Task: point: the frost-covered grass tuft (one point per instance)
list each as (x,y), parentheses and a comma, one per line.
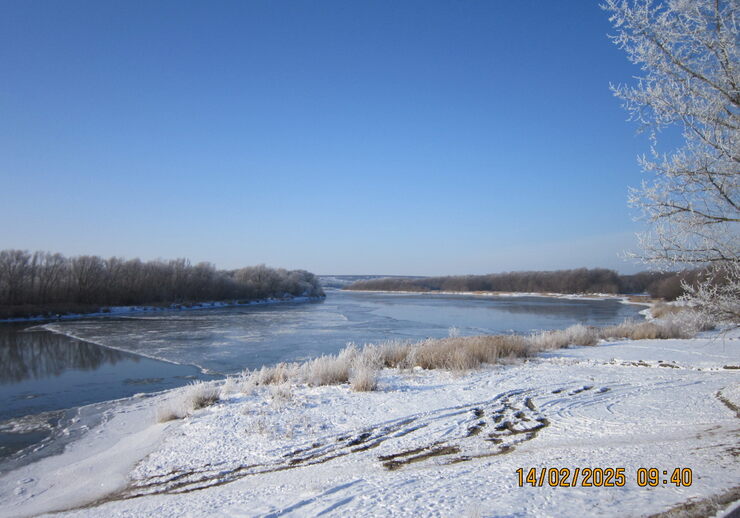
(230,386)
(329,369)
(326,370)
(683,324)
(272,375)
(364,378)
(393,353)
(171,411)
(641,331)
(247,382)
(455,353)
(663,309)
(281,394)
(577,334)
(195,396)
(200,395)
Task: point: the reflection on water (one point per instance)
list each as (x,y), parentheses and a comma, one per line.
(39,354)
(43,373)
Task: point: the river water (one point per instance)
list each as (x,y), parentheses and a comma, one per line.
(49,371)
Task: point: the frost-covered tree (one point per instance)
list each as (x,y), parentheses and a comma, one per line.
(688,53)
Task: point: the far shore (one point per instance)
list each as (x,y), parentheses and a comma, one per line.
(644,300)
(108,311)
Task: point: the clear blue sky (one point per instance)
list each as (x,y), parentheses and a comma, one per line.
(395,137)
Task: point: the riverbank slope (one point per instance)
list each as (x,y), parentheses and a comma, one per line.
(428,443)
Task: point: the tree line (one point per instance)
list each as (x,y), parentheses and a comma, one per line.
(666,285)
(44,282)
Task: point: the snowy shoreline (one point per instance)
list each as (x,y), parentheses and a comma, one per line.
(327,449)
(625,299)
(135,310)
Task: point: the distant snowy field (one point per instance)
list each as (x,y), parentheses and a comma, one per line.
(427,443)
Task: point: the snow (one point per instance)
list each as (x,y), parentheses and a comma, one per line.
(131,310)
(332,452)
(89,468)
(624,299)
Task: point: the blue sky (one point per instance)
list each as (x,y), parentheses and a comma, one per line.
(391,137)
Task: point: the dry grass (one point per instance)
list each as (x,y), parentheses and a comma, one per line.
(641,299)
(230,386)
(200,395)
(681,324)
(465,353)
(280,373)
(677,324)
(644,331)
(327,370)
(661,309)
(574,335)
(359,366)
(364,378)
(170,412)
(700,507)
(281,394)
(392,354)
(193,397)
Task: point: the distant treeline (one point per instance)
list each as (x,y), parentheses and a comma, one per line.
(42,283)
(581,280)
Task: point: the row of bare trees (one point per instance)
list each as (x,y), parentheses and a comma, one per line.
(580,280)
(48,281)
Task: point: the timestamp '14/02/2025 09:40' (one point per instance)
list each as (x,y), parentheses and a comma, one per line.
(602,477)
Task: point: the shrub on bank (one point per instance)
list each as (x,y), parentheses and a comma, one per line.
(364,378)
(200,395)
(193,397)
(577,334)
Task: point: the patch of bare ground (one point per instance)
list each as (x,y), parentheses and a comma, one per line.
(408,457)
(668,364)
(704,507)
(729,404)
(642,299)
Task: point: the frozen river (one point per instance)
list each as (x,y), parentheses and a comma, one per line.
(231,339)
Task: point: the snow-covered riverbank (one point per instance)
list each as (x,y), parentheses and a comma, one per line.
(642,300)
(135,310)
(427,443)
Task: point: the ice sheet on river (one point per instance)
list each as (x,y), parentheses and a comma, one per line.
(231,339)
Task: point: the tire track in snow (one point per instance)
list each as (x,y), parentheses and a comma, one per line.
(446,436)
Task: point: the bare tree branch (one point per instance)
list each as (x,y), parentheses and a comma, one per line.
(689,53)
